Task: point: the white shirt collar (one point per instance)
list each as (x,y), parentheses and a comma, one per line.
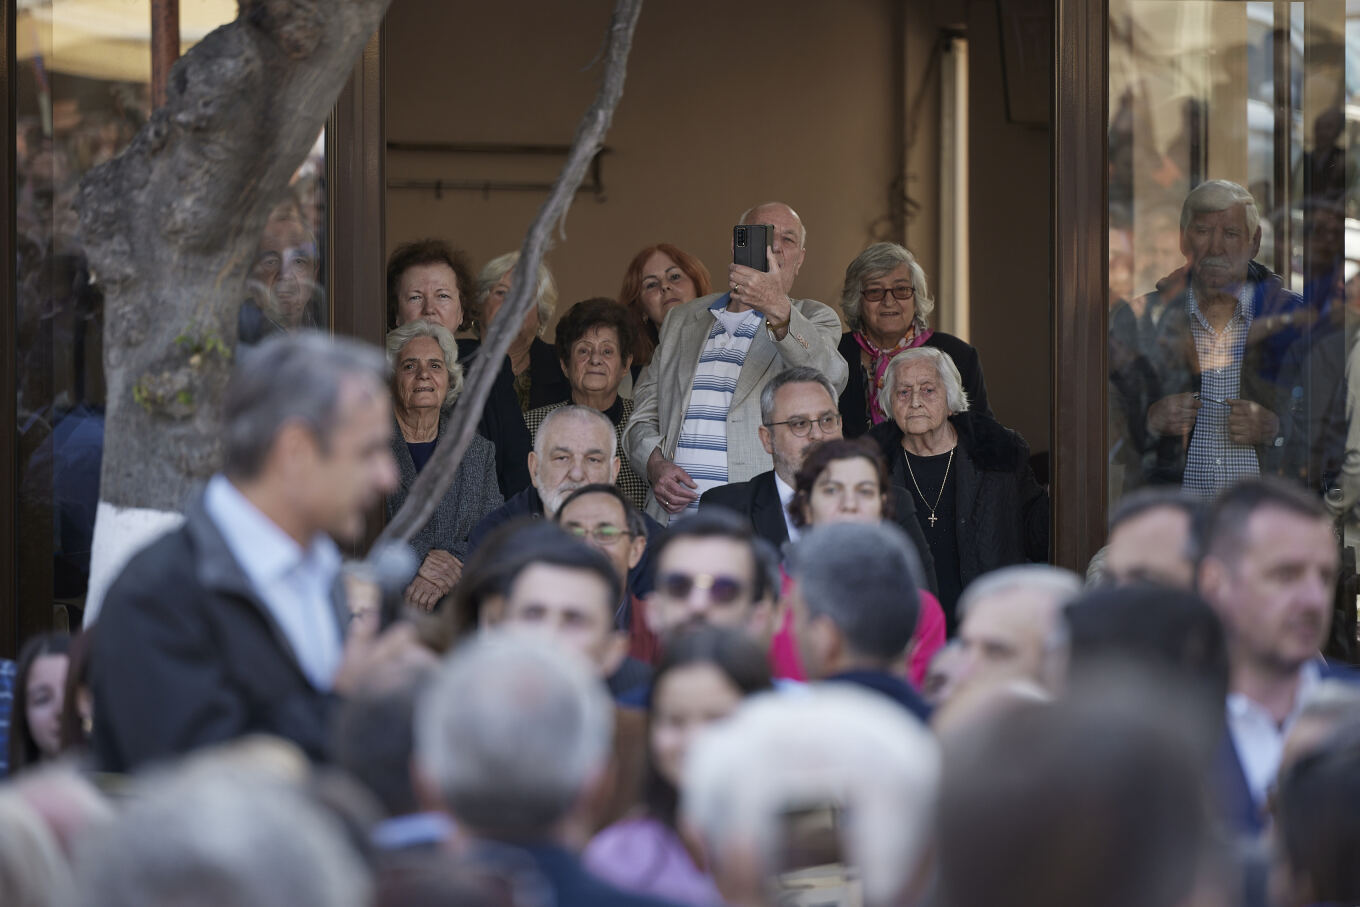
(786,493)
(264,551)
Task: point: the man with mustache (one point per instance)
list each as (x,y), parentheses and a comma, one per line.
(1214,418)
(1268,569)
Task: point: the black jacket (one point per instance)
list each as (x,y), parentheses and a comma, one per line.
(187,656)
(1002,511)
(1172,367)
(758,501)
(502,424)
(854,414)
(890,685)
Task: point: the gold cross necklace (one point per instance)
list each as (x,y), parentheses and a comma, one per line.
(939,497)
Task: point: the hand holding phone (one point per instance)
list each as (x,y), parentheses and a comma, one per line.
(751,245)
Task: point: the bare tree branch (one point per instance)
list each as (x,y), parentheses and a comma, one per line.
(438,474)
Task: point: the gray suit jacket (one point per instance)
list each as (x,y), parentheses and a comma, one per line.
(661,394)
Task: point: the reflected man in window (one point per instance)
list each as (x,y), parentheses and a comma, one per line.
(1211,413)
(284,292)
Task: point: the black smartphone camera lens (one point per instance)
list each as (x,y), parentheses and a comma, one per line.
(741,237)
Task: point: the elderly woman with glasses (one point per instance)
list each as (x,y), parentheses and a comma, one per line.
(886,303)
(426,380)
(976,498)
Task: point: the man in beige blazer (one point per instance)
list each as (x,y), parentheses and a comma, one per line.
(795,332)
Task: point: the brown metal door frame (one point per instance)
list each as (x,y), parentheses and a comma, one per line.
(9,442)
(1080,217)
(357,282)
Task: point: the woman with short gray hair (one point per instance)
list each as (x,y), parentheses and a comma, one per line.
(887,304)
(976,498)
(533,364)
(426,382)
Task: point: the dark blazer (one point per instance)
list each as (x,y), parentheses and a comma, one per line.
(758,501)
(855,414)
(1002,511)
(1173,368)
(1236,807)
(472,495)
(188,655)
(502,424)
(547,383)
(890,685)
(571,884)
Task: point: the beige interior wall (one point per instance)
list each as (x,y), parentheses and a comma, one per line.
(1009,236)
(726,105)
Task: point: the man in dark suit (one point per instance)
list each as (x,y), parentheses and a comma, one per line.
(513,740)
(854,606)
(1268,567)
(798,410)
(235,623)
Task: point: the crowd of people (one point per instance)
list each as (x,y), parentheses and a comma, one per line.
(721,606)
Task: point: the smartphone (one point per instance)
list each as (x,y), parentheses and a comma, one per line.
(751,244)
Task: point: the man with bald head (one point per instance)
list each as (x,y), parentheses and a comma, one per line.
(697,406)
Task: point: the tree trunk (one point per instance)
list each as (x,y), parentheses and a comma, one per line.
(170,227)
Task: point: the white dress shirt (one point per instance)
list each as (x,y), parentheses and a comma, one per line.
(1259,741)
(294,584)
(785,496)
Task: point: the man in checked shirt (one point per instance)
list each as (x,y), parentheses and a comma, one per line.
(1213,413)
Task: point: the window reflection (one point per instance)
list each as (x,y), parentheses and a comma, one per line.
(1233,192)
(81,93)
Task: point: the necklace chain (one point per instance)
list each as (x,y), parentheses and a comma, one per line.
(945,481)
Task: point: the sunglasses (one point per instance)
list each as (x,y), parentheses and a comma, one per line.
(721,589)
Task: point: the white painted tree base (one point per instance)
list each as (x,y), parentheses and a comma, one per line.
(119,533)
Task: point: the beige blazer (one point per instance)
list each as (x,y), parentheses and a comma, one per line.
(661,394)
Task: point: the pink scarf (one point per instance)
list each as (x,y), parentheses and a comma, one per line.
(878,365)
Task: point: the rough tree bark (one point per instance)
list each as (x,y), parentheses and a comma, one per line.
(170,228)
(438,474)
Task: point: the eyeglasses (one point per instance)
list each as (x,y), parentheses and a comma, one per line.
(722,589)
(900,291)
(605,534)
(800,426)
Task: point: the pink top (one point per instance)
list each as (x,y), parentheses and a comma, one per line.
(925,642)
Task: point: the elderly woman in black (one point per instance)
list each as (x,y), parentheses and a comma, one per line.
(533,367)
(426,381)
(595,339)
(976,498)
(887,305)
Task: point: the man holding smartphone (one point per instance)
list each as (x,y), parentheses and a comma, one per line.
(697,405)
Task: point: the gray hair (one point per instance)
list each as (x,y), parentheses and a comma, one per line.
(545,293)
(1063,585)
(397,338)
(954,395)
(832,746)
(289,377)
(802,230)
(1220,195)
(879,259)
(512,730)
(799,374)
(575,411)
(864,578)
(219,837)
(1333,701)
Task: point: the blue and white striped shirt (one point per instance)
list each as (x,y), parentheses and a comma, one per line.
(701,449)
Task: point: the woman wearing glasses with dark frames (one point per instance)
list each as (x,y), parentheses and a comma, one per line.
(887,303)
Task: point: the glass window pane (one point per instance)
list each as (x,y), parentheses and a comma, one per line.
(1232,194)
(82,88)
